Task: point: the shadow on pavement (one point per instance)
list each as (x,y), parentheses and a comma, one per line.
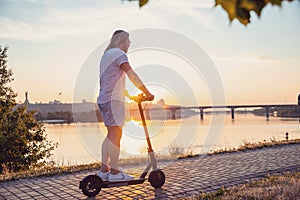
(160,193)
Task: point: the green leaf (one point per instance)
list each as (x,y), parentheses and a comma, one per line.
(143,2)
(275,2)
(255,5)
(229,6)
(243,15)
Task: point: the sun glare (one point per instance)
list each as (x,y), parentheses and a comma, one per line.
(133,138)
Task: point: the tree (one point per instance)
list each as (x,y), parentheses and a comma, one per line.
(23,141)
(238,9)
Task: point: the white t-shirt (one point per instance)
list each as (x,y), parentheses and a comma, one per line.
(112,77)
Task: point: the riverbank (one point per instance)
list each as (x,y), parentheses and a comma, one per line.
(248,146)
(52,170)
(184,177)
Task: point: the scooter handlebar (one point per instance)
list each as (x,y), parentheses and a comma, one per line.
(141,97)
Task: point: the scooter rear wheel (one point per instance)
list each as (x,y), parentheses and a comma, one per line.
(91,185)
(157,178)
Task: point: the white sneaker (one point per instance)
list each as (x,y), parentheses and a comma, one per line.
(121,176)
(103,175)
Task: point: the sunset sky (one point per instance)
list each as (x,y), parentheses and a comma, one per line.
(49,40)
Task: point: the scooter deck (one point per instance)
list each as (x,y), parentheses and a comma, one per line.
(107,184)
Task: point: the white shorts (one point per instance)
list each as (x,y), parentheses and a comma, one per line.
(113,113)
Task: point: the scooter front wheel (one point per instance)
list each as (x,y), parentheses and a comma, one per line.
(91,185)
(157,178)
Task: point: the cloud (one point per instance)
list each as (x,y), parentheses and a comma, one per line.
(199,11)
(61,21)
(247,59)
(268,59)
(19,30)
(182,5)
(58,23)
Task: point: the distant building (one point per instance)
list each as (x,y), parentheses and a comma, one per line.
(57,106)
(161,102)
(26,102)
(55,102)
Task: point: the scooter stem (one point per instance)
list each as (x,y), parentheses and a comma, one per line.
(145,127)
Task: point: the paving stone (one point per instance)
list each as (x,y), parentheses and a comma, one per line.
(185,177)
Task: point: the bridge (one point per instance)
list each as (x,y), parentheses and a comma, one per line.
(233,107)
(267,107)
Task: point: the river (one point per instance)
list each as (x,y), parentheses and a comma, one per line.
(80,143)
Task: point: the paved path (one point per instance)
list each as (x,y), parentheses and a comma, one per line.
(184,177)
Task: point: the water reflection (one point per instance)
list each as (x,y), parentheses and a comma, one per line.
(81,143)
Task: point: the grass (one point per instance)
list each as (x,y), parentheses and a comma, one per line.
(247,146)
(46,171)
(180,151)
(275,187)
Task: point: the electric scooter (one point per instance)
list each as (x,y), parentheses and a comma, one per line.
(91,185)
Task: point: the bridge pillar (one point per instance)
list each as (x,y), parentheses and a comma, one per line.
(267,112)
(232,113)
(173,113)
(201,114)
(299,106)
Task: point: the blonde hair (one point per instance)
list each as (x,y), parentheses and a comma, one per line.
(117,38)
